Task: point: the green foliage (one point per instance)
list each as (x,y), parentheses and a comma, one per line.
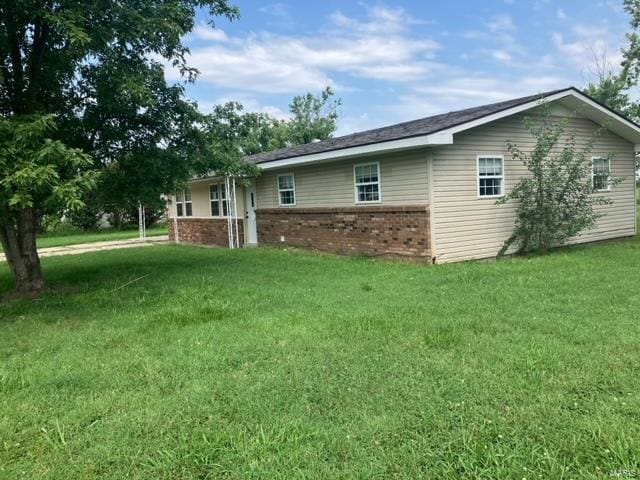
(39,173)
(612,90)
(631,53)
(613,87)
(98,67)
(167,363)
(556,201)
(87,218)
(312,117)
(231,133)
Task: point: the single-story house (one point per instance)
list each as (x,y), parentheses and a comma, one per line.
(424,189)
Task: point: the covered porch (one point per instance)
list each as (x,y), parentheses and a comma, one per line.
(217,211)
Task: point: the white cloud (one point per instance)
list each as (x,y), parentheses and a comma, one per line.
(277,9)
(585,43)
(280,14)
(381,47)
(615,6)
(386,65)
(205,32)
(501,55)
(250,104)
(501,23)
(464,91)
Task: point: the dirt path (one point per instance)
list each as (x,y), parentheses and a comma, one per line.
(98,246)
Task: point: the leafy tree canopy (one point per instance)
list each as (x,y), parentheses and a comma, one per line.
(97,67)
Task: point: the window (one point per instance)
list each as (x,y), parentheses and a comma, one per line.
(490,176)
(367,183)
(286,189)
(225,205)
(184,206)
(179,204)
(601,173)
(218,200)
(214,199)
(188,206)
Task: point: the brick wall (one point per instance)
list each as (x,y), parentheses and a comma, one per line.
(204,231)
(387,231)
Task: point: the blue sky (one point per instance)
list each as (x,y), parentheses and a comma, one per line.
(400,60)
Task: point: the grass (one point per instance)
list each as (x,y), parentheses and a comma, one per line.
(176,362)
(75,237)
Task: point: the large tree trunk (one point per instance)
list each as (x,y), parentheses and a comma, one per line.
(19,245)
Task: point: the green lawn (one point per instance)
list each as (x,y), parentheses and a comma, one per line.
(262,363)
(60,239)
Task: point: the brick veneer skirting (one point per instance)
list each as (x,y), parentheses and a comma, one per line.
(204,231)
(368,230)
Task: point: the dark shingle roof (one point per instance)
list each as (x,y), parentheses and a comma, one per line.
(414,128)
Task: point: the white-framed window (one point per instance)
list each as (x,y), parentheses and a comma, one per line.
(184,205)
(490,176)
(214,199)
(286,189)
(367,182)
(218,200)
(601,173)
(223,197)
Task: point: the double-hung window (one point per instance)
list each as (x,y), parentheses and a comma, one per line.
(184,205)
(367,182)
(218,200)
(225,204)
(490,176)
(214,199)
(286,190)
(601,173)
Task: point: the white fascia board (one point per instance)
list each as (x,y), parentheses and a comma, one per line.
(393,145)
(505,113)
(529,105)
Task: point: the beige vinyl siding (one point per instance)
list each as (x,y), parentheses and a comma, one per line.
(468,227)
(403,181)
(200,198)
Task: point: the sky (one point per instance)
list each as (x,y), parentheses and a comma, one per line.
(399,60)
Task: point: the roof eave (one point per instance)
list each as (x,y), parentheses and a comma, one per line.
(362,150)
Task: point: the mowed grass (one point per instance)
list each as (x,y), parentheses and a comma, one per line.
(175,362)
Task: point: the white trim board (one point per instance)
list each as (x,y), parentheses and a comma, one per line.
(393,145)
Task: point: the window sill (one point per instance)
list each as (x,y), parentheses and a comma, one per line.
(489,197)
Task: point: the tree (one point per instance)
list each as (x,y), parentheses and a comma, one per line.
(235,133)
(312,117)
(40,176)
(556,201)
(612,88)
(631,54)
(98,67)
